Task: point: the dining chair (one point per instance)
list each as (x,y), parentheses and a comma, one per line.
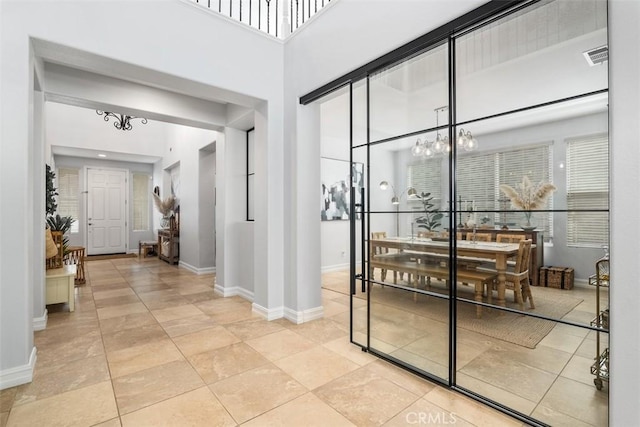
(517,279)
(383,252)
(510,238)
(378,251)
(445,234)
(480,237)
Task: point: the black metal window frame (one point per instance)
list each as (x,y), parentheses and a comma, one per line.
(250,173)
(447,34)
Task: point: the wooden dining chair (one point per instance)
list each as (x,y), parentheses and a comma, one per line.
(378,251)
(510,238)
(480,237)
(517,279)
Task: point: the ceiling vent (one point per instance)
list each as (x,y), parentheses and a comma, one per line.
(597,56)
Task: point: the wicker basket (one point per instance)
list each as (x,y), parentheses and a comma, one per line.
(556,277)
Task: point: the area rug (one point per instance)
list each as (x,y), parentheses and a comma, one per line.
(110,256)
(515,328)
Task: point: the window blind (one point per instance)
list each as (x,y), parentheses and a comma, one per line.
(141,193)
(479,177)
(587,191)
(425,177)
(69,195)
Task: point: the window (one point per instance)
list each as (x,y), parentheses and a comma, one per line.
(588,191)
(425,177)
(141,193)
(250,173)
(479,178)
(68,195)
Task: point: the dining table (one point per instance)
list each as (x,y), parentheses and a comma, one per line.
(499,253)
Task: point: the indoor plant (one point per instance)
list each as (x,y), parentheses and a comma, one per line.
(431,218)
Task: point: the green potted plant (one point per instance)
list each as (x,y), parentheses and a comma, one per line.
(57,224)
(431,218)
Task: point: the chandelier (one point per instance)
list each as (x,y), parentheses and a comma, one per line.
(441,145)
(122,121)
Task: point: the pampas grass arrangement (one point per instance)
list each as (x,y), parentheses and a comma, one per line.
(166,206)
(527,196)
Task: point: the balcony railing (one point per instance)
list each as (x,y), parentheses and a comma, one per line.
(276,17)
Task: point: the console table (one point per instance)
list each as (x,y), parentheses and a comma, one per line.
(169,245)
(60,286)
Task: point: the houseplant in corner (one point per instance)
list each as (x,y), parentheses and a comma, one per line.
(528,197)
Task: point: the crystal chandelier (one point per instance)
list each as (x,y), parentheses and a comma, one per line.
(441,145)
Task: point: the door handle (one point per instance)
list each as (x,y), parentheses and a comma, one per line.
(90,224)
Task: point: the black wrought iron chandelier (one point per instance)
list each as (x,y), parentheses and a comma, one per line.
(122,121)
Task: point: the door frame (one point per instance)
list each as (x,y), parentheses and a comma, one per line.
(85,204)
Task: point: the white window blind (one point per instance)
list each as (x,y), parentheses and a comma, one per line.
(534,162)
(141,195)
(476,181)
(588,191)
(479,177)
(425,177)
(69,195)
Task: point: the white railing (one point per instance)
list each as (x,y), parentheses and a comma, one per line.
(276,17)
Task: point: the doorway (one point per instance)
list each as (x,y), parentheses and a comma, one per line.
(106,211)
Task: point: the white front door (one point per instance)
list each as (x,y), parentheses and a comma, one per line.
(106,211)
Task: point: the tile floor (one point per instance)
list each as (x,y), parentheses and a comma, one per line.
(151,345)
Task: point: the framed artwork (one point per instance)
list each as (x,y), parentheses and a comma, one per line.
(336,188)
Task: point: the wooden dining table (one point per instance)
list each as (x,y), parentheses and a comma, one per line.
(490,251)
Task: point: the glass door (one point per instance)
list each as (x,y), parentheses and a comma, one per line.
(406,237)
(479,186)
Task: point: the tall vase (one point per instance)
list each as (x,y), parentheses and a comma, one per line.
(164,222)
(529,223)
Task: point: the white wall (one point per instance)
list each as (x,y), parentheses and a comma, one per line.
(206,203)
(183,149)
(181,40)
(624,102)
(234,235)
(77,127)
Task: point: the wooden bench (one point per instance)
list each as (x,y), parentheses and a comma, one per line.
(416,269)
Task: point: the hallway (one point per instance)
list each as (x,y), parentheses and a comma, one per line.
(151,344)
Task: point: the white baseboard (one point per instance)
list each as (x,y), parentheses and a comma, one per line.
(206,270)
(298,317)
(335,267)
(233,291)
(20,374)
(40,323)
(269,314)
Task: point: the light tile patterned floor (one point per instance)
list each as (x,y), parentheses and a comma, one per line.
(151,345)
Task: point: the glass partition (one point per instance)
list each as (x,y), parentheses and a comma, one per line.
(480,225)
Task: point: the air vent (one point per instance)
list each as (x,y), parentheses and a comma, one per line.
(597,56)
